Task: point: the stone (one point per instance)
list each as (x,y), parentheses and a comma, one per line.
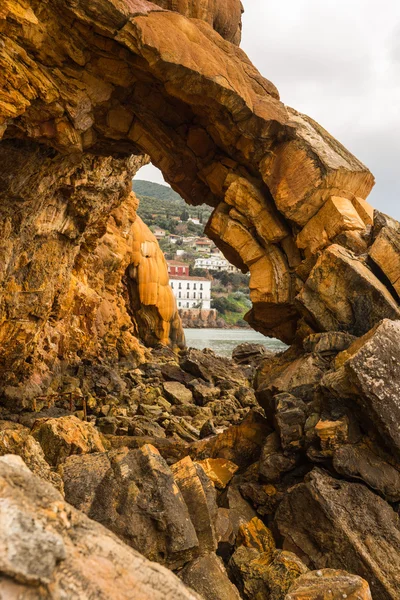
(207,576)
(16,439)
(329,584)
(200,500)
(133,493)
(255,534)
(360,462)
(219,470)
(329,343)
(240,444)
(204,393)
(336,216)
(261,575)
(290,418)
(332,434)
(51,550)
(342,294)
(273,462)
(385,253)
(60,438)
(249,354)
(340,525)
(177,393)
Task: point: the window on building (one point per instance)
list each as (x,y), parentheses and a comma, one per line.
(180,286)
(179,304)
(188,286)
(194,294)
(172,284)
(187,295)
(201,286)
(180,294)
(194,286)
(201,295)
(187,304)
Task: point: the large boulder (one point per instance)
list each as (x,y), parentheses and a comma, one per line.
(50,550)
(16,439)
(369,372)
(65,436)
(340,525)
(133,493)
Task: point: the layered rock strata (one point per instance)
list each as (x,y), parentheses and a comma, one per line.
(106,80)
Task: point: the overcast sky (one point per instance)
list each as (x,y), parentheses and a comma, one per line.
(339,62)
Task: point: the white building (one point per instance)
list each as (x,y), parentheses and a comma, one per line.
(212,263)
(191,292)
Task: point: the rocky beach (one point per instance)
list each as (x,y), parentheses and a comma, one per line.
(133,467)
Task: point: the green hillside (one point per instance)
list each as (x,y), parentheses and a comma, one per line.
(161,200)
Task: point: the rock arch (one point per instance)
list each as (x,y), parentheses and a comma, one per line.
(89,89)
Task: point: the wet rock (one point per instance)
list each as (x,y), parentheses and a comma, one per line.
(340,525)
(212,368)
(329,584)
(207,576)
(177,393)
(172,372)
(200,500)
(60,438)
(219,470)
(49,550)
(133,493)
(359,462)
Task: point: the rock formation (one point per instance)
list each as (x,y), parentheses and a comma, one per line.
(289,498)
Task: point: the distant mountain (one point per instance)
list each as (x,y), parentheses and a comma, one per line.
(154,190)
(161,200)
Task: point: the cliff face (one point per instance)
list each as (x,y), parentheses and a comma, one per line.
(88,85)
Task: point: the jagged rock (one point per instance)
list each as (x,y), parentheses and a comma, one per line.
(207,576)
(212,368)
(255,534)
(240,444)
(385,252)
(291,373)
(50,550)
(340,525)
(219,470)
(200,499)
(290,418)
(332,435)
(329,584)
(370,373)
(208,429)
(360,462)
(177,393)
(204,393)
(170,449)
(133,493)
(16,439)
(273,462)
(360,300)
(60,438)
(261,575)
(250,354)
(328,343)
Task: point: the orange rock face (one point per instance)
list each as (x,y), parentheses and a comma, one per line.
(88,89)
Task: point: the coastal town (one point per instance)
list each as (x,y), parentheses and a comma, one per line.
(209,291)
